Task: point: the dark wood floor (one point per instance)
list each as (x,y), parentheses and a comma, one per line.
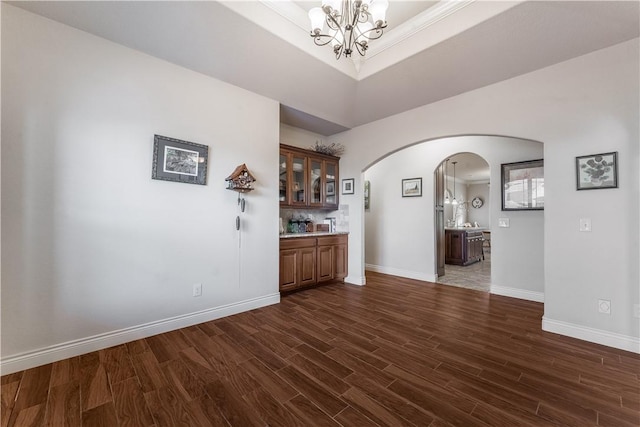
(393,353)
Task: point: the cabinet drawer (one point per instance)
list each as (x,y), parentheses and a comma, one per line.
(297,242)
(332,240)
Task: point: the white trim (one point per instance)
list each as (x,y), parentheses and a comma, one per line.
(353,280)
(62,351)
(417,275)
(598,336)
(517,293)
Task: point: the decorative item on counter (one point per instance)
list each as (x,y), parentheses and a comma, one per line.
(333,149)
(308,225)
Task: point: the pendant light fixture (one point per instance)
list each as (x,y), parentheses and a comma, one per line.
(447,199)
(454,201)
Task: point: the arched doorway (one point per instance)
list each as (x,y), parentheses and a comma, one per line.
(399,233)
(462,221)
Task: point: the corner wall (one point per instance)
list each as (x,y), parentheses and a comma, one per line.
(586,105)
(95,252)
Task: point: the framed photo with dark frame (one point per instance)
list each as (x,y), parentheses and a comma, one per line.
(348,186)
(179,161)
(412,187)
(523,186)
(331,188)
(597,171)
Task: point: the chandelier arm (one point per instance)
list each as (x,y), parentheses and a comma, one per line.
(346,24)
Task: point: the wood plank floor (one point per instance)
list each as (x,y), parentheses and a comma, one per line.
(396,352)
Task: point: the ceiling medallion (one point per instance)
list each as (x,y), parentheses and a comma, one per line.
(348,25)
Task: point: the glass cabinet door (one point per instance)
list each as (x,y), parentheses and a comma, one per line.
(331,182)
(283,178)
(315,182)
(299,172)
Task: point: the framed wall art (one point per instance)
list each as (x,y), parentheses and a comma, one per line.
(523,186)
(348,186)
(179,161)
(412,187)
(597,171)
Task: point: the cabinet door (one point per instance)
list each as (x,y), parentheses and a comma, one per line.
(298,180)
(315,182)
(289,269)
(285,166)
(307,266)
(325,263)
(331,184)
(340,254)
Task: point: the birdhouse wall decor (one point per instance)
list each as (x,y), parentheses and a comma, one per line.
(240,180)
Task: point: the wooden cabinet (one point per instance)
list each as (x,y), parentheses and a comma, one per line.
(463,247)
(308,179)
(297,263)
(307,261)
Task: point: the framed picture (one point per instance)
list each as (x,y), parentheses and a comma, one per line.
(179,161)
(412,187)
(597,171)
(367,189)
(347,186)
(523,186)
(331,188)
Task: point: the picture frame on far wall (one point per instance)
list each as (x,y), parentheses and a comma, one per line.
(348,186)
(179,161)
(523,185)
(412,187)
(597,171)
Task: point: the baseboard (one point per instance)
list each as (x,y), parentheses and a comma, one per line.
(62,351)
(597,336)
(517,293)
(402,273)
(356,280)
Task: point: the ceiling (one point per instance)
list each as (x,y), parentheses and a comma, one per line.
(429,52)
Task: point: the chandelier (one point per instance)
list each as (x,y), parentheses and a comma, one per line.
(349,24)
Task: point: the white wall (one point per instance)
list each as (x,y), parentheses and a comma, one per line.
(399,233)
(480,215)
(95,252)
(582,106)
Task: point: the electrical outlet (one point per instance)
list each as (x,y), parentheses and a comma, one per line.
(503,222)
(636,310)
(585,224)
(604,306)
(197,290)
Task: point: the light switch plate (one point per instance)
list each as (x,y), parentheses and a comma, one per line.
(503,222)
(585,224)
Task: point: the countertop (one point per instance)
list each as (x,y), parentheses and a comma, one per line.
(467,228)
(311,234)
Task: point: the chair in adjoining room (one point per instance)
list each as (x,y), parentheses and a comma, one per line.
(486,240)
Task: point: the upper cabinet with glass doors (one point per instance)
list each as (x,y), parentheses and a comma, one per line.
(308,179)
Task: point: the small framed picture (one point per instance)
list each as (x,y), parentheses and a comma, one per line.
(179,161)
(412,187)
(523,186)
(597,171)
(331,188)
(348,186)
